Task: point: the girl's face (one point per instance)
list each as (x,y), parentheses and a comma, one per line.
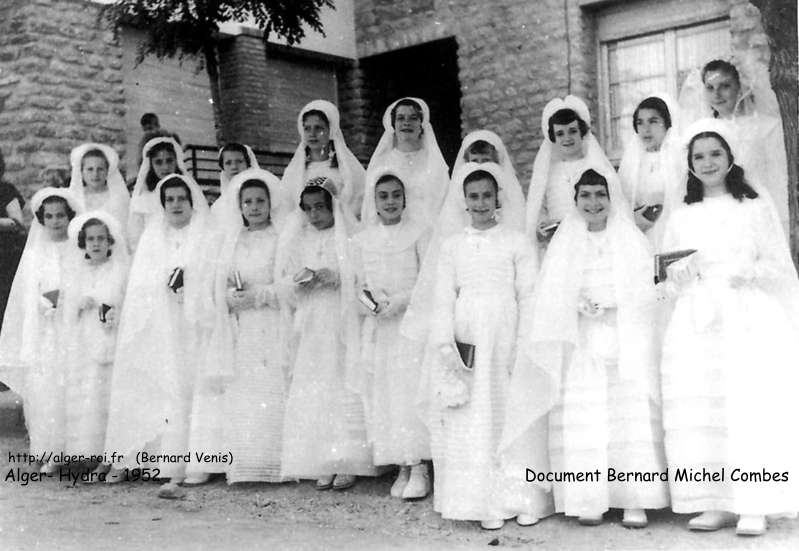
(593,204)
(481,202)
(233,162)
(94,171)
(315,132)
(56,220)
(568,140)
(97,243)
(710,163)
(651,128)
(317,211)
(163,163)
(177,207)
(721,91)
(408,126)
(389,201)
(255,207)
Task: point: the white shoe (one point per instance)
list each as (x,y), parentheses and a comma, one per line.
(493,524)
(526,520)
(418,483)
(751,525)
(710,521)
(402,480)
(634,518)
(115,475)
(170,490)
(590,520)
(48,468)
(195,479)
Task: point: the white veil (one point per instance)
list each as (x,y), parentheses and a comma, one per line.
(595,158)
(144,203)
(118,196)
(434,174)
(352,172)
(552,341)
(18,340)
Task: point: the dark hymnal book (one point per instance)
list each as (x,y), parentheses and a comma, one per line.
(304,276)
(238,282)
(549,229)
(104,308)
(366,298)
(652,212)
(466,352)
(52,296)
(664,260)
(176,280)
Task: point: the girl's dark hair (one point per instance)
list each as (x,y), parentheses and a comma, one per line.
(174,182)
(482,147)
(655,104)
(152,179)
(310,190)
(332,151)
(50,200)
(734,181)
(391,178)
(478,175)
(410,103)
(88,224)
(258,184)
(722,66)
(590,178)
(565,116)
(95,153)
(234,147)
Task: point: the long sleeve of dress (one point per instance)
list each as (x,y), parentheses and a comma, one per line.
(442,324)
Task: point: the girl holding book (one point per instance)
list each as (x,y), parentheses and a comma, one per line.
(166,319)
(324,435)
(94,289)
(485,282)
(589,361)
(728,368)
(387,256)
(255,394)
(32,338)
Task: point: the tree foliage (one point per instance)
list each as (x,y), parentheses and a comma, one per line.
(187,27)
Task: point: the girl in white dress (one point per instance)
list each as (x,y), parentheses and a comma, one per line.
(324,435)
(233,159)
(94,289)
(322,152)
(409,149)
(387,256)
(485,280)
(651,165)
(729,368)
(166,318)
(97,183)
(161,156)
(31,342)
(593,362)
(255,397)
(568,149)
(739,91)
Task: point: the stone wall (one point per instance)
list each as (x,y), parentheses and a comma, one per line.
(60,85)
(513,56)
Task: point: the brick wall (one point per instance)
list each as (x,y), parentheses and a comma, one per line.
(60,85)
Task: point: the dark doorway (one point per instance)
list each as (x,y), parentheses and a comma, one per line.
(429,72)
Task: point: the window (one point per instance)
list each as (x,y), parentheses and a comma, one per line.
(634,64)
